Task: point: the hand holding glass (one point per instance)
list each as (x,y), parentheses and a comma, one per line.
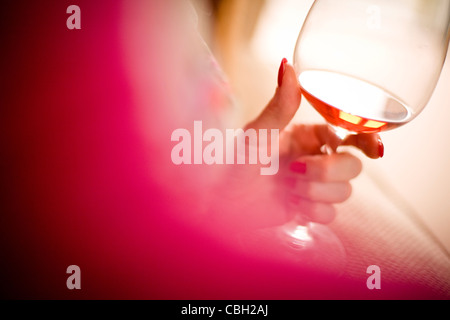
(366,67)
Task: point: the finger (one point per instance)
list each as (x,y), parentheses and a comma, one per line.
(315,211)
(337,167)
(331,192)
(285,103)
(370,144)
(310,138)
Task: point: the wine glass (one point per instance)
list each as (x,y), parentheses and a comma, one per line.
(366,66)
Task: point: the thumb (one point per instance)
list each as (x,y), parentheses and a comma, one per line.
(285,103)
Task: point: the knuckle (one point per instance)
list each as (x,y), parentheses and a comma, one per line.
(308,190)
(356,166)
(345,191)
(324,213)
(305,189)
(348,190)
(324,171)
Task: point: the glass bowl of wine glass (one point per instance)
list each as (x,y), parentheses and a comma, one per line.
(366,66)
(370,66)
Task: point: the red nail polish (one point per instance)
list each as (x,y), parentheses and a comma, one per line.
(380,149)
(281,71)
(298,167)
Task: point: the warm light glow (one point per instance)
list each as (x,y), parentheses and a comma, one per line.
(349,117)
(374,124)
(357,120)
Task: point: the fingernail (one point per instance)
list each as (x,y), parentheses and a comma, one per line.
(380,148)
(298,167)
(281,72)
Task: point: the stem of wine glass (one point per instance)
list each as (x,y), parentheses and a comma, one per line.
(336,136)
(297,230)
